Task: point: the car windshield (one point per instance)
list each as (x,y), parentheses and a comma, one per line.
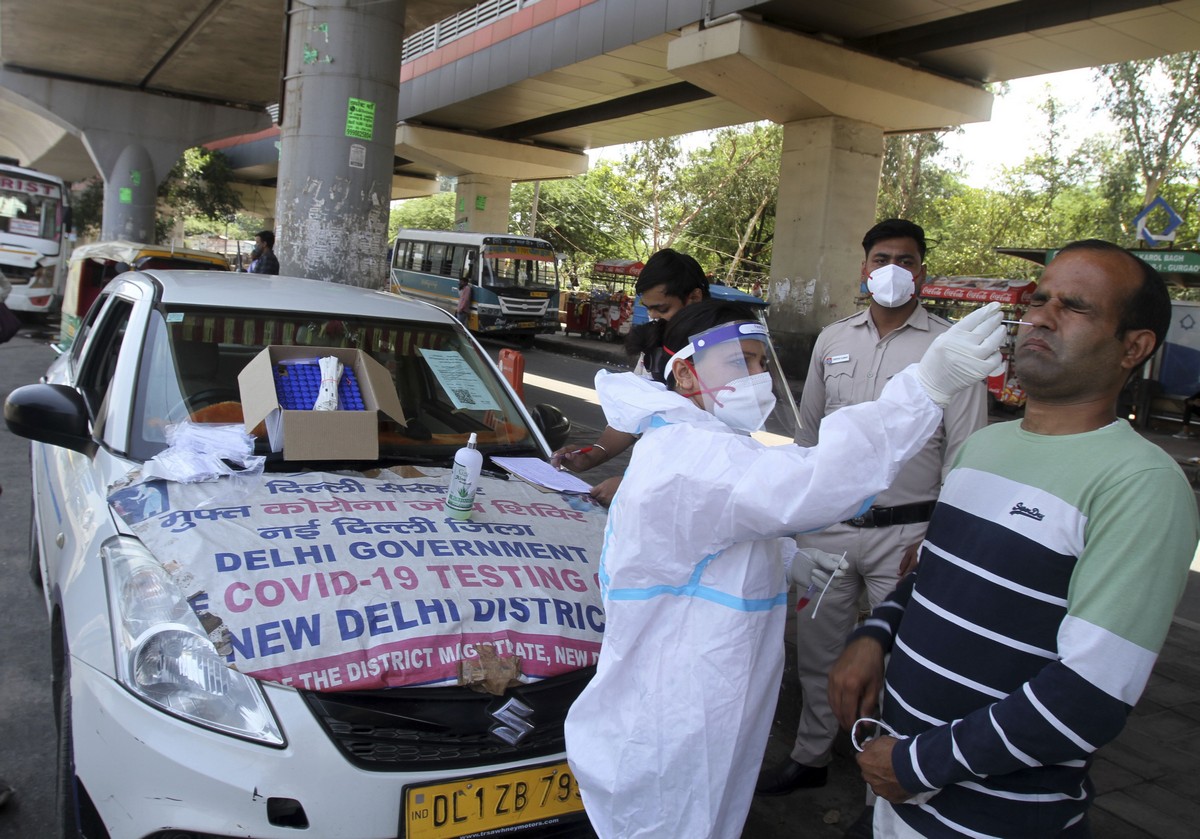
(447,388)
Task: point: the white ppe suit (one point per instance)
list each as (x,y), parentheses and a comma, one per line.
(667,739)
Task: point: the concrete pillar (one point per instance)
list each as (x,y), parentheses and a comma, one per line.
(131,180)
(337,140)
(834,103)
(132,138)
(481,203)
(828,184)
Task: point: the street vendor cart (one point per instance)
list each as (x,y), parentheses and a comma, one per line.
(954,297)
(606,310)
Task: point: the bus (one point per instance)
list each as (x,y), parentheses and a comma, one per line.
(33,222)
(514,279)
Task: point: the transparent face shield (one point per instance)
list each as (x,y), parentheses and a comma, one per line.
(733,370)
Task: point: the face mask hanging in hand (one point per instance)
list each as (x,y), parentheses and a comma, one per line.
(891,286)
(745,403)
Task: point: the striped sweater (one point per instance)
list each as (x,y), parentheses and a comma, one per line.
(1047,582)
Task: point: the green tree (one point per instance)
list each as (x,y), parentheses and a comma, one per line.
(652,170)
(200,184)
(597,215)
(910,178)
(87,209)
(433,213)
(732,187)
(1156,103)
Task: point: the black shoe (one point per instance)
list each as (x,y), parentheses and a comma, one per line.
(791,775)
(863,827)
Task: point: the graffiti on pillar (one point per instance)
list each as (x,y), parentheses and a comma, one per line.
(481,202)
(360,118)
(325,243)
(312,55)
(135,177)
(339,192)
(125,195)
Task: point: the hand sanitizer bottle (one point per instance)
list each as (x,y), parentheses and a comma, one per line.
(464,478)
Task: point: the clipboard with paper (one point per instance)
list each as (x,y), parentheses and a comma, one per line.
(541,474)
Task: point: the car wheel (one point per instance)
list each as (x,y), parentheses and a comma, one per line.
(77,816)
(35,551)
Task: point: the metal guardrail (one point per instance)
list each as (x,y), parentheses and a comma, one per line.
(453,28)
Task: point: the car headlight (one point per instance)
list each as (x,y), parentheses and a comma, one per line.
(43,277)
(164,656)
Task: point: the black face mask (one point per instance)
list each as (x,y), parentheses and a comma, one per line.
(256,252)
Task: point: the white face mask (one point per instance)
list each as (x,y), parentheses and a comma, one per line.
(891,286)
(745,403)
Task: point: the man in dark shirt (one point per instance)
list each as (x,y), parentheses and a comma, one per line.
(263,255)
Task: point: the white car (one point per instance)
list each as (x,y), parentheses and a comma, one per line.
(157,737)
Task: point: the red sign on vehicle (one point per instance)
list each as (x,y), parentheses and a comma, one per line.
(974,290)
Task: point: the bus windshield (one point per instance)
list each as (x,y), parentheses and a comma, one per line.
(519,267)
(29,207)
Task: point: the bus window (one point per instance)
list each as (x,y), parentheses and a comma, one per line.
(458,262)
(489,273)
(520,273)
(438,264)
(416,256)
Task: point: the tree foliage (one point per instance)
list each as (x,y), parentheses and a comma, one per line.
(733,187)
(1156,102)
(87,209)
(198,189)
(199,185)
(433,213)
(911,178)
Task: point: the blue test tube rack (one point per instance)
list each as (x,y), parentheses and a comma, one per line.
(298,383)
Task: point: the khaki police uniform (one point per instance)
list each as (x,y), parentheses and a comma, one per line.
(851,364)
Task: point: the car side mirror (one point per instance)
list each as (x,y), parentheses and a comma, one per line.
(553,424)
(51,414)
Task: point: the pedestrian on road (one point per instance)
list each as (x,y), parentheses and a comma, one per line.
(851,362)
(1190,406)
(463,310)
(263,255)
(1058,550)
(668,735)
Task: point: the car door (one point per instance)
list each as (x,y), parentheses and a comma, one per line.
(71,486)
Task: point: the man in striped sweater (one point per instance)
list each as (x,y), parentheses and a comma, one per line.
(1054,560)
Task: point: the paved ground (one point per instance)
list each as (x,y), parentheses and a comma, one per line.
(1146,780)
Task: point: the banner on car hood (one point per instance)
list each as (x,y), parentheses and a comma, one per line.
(329,582)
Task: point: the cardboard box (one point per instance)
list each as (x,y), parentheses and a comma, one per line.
(319,435)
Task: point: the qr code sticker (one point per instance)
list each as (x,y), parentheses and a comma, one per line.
(464,396)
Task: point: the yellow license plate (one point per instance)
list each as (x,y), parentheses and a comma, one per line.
(539,294)
(472,805)
(527,324)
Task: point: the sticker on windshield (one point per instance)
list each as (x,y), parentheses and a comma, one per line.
(462,384)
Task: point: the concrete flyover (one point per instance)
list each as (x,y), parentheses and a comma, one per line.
(518,89)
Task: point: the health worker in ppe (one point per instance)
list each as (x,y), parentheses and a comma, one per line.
(667,738)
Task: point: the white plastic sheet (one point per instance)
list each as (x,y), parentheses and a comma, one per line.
(203,452)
